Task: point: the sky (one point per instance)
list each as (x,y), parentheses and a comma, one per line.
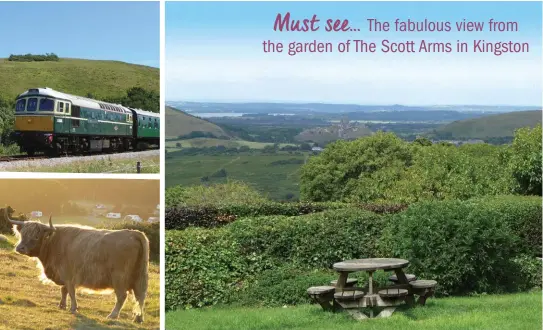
(214,52)
(122,31)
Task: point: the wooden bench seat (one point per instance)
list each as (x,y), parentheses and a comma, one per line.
(410,278)
(322,295)
(349,295)
(424,288)
(393,293)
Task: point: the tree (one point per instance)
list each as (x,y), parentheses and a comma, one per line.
(360,170)
(140,98)
(7,119)
(525,162)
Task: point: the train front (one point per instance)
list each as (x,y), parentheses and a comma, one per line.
(35,121)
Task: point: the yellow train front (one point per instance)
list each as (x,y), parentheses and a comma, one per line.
(54,122)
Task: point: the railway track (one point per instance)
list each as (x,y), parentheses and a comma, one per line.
(14,158)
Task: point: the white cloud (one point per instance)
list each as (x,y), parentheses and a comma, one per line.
(245,75)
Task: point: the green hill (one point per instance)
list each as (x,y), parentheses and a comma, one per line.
(103,79)
(501,125)
(181,123)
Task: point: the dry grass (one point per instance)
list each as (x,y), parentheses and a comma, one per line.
(111,165)
(26,303)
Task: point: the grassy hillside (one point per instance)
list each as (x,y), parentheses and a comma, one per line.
(181,123)
(76,76)
(501,125)
(274,175)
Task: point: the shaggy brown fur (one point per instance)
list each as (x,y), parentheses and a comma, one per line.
(78,256)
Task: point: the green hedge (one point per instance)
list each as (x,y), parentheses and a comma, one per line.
(312,241)
(468,247)
(287,285)
(523,213)
(210,216)
(482,245)
(203,267)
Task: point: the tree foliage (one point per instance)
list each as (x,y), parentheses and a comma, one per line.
(7,118)
(34,58)
(385,168)
(361,170)
(525,161)
(140,98)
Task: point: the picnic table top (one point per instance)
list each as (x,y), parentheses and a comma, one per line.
(370,264)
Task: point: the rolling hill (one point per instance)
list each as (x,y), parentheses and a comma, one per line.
(103,79)
(181,123)
(501,125)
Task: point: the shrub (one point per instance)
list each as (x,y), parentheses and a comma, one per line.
(151,230)
(523,213)
(525,161)
(360,170)
(288,284)
(530,270)
(203,267)
(468,247)
(313,240)
(33,58)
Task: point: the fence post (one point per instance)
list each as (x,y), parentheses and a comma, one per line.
(138,167)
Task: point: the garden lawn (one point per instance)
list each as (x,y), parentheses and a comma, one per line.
(512,311)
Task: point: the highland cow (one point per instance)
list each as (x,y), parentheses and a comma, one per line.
(83,257)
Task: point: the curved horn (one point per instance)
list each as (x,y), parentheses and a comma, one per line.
(15,222)
(51,223)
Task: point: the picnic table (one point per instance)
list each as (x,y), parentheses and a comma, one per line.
(345,295)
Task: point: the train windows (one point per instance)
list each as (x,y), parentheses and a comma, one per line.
(76,112)
(47,104)
(32,104)
(156,123)
(67,107)
(21,105)
(60,106)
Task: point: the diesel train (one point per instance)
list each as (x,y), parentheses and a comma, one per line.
(53,122)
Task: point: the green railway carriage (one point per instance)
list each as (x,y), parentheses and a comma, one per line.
(146,126)
(50,121)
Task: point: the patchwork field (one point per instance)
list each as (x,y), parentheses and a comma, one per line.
(210,142)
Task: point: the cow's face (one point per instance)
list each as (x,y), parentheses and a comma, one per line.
(32,234)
